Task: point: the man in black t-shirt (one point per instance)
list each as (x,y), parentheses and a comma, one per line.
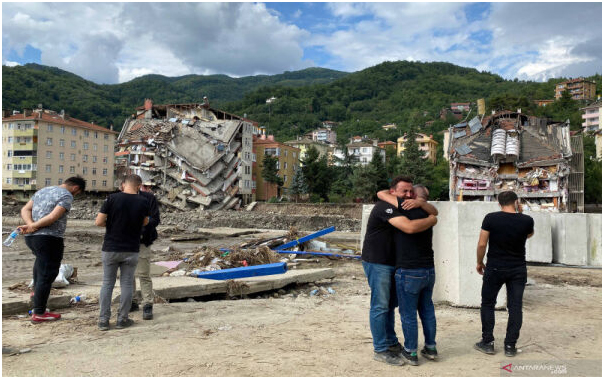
(378,261)
(506,233)
(415,278)
(123,214)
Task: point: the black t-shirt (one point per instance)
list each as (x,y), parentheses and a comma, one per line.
(507,236)
(125,215)
(414,250)
(378,245)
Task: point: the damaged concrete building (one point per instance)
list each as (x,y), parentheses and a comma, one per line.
(513,151)
(191,155)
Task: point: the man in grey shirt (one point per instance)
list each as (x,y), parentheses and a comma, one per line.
(45,217)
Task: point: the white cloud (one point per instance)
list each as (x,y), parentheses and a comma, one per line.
(10,63)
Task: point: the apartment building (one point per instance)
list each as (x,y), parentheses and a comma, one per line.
(41,148)
(592,116)
(579,89)
(361,152)
(305,143)
(425,143)
(288,160)
(322,135)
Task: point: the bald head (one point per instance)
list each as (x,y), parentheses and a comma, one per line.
(421,192)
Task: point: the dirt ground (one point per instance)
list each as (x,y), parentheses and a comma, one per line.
(288,332)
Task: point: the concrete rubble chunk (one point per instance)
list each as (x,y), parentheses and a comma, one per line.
(190,155)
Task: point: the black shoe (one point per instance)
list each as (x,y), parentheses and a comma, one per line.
(396,349)
(510,350)
(148,312)
(410,357)
(388,357)
(487,348)
(124,323)
(134,307)
(429,352)
(103,325)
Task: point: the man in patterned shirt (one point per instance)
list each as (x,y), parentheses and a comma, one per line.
(45,217)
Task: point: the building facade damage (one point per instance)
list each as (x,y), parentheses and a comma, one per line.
(513,151)
(191,155)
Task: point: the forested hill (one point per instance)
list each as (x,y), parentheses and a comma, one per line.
(32,84)
(396,92)
(392,92)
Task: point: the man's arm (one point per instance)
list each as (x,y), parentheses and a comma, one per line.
(419,203)
(146,221)
(403,224)
(49,219)
(481,249)
(26,212)
(389,198)
(154,212)
(101,219)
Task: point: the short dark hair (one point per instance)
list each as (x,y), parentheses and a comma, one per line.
(133,179)
(423,188)
(76,181)
(398,179)
(507,198)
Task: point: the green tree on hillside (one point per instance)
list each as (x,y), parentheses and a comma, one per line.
(413,163)
(317,173)
(270,173)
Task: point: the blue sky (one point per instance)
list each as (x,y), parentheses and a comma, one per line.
(116,42)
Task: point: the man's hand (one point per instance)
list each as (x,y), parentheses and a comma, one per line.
(412,204)
(432,219)
(26,229)
(480,268)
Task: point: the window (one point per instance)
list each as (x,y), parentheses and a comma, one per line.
(285,152)
(62,130)
(49,141)
(96,134)
(61,169)
(93,183)
(247,170)
(86,133)
(9,167)
(84,170)
(48,168)
(49,128)
(284,165)
(74,132)
(294,154)
(105,148)
(47,181)
(73,144)
(72,169)
(59,181)
(72,157)
(271,151)
(247,184)
(10,140)
(84,158)
(49,154)
(62,156)
(94,171)
(284,178)
(106,136)
(278,165)
(104,183)
(85,145)
(104,159)
(62,142)
(95,147)
(94,159)
(9,180)
(104,172)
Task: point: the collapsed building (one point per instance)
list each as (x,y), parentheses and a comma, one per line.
(190,155)
(505,151)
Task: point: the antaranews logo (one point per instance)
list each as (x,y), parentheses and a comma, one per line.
(507,367)
(389,210)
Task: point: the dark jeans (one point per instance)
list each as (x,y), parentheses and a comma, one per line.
(49,253)
(414,288)
(514,280)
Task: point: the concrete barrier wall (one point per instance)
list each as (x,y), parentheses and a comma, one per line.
(594,238)
(574,239)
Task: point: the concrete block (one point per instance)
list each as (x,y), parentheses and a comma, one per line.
(594,239)
(364,218)
(539,246)
(569,238)
(446,262)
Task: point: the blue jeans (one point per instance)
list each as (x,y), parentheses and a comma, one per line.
(414,289)
(383,301)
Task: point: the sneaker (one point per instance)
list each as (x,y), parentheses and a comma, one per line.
(134,307)
(396,349)
(429,353)
(148,312)
(389,358)
(487,348)
(124,323)
(410,357)
(510,350)
(47,316)
(103,325)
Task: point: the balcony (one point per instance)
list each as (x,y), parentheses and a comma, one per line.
(23,133)
(22,174)
(24,146)
(22,160)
